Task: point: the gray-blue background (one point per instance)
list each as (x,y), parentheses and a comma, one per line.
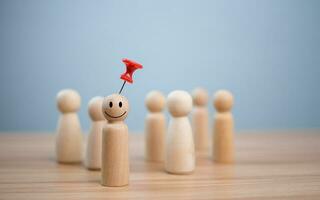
(266,52)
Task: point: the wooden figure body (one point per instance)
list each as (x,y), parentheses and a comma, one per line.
(223,144)
(93,151)
(200,119)
(115,154)
(180,151)
(115,150)
(69,139)
(155,127)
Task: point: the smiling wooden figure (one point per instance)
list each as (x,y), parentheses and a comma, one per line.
(115,147)
(115,153)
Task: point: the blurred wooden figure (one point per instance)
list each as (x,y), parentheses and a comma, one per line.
(115,150)
(155,127)
(93,153)
(180,152)
(223,146)
(200,119)
(69,140)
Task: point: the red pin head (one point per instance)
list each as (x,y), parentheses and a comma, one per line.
(131,67)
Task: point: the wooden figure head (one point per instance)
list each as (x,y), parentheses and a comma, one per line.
(94,109)
(155,101)
(223,101)
(68,100)
(115,107)
(179,103)
(200,97)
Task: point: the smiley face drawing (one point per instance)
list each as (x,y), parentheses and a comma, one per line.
(115,107)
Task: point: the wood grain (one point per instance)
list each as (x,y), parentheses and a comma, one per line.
(115,155)
(277,165)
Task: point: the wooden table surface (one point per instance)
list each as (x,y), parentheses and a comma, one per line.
(274,165)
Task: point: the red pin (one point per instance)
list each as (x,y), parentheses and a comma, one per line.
(131,67)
